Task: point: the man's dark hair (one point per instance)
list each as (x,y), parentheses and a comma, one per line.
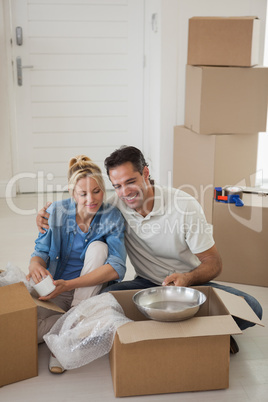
(123,155)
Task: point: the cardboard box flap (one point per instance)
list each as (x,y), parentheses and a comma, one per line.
(48,305)
(238,307)
(138,331)
(17,292)
(15,297)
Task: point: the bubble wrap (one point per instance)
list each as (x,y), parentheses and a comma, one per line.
(86,332)
(13,274)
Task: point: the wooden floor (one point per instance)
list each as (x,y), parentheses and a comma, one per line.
(248,368)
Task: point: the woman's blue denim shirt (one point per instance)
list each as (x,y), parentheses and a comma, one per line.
(55,245)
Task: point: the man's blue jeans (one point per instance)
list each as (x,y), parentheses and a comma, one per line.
(141,283)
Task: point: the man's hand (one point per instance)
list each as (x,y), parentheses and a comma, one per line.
(42,218)
(175,279)
(209,268)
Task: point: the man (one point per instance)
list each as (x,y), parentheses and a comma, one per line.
(167,237)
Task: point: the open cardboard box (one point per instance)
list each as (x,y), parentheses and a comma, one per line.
(224,41)
(150,357)
(18,334)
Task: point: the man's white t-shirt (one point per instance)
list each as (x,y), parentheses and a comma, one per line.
(167,239)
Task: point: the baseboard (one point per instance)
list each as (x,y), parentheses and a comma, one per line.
(3,185)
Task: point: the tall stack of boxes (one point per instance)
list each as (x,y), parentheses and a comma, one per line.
(225,109)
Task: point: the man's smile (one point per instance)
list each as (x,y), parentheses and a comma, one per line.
(130,198)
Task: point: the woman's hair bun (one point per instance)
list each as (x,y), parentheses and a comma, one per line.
(82,166)
(79,161)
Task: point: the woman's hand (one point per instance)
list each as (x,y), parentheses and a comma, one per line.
(61,286)
(37,270)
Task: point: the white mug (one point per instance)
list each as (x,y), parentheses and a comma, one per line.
(45,287)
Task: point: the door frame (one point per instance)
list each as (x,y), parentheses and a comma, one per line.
(11,134)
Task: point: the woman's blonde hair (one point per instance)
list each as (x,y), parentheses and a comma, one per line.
(82,166)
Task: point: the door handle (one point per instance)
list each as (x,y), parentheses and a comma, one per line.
(19,70)
(19,36)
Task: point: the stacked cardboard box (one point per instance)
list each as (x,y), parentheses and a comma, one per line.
(241,237)
(225,109)
(218,41)
(225,94)
(201,162)
(226,100)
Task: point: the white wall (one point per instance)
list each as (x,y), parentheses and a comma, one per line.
(160,82)
(152,84)
(262,161)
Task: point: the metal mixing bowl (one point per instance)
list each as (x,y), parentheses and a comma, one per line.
(169,303)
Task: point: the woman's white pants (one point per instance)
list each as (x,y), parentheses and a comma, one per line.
(96,255)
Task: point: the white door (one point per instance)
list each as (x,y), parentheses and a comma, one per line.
(80,89)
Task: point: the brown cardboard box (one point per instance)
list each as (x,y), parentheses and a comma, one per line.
(226,100)
(150,357)
(202,162)
(223,41)
(18,333)
(241,236)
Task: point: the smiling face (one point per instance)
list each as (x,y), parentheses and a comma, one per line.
(132,187)
(88,196)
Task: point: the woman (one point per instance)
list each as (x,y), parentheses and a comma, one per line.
(83,248)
